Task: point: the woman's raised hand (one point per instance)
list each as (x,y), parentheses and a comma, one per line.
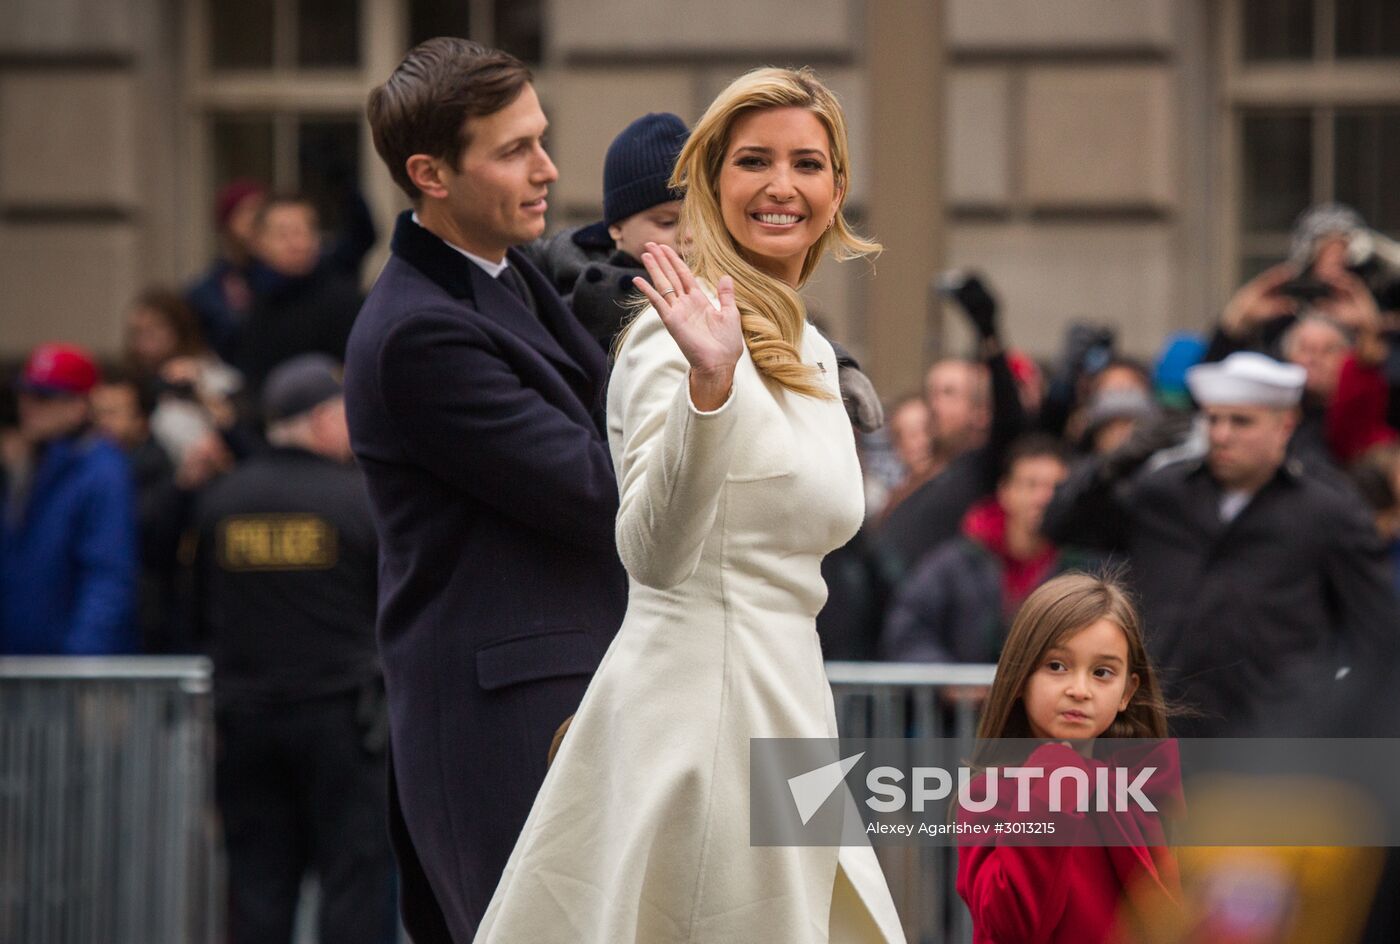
(709,337)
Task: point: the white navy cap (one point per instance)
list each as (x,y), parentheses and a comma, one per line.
(1247,379)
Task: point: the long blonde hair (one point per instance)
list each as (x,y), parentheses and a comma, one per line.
(772,313)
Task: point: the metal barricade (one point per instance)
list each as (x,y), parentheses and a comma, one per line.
(106,800)
(900,700)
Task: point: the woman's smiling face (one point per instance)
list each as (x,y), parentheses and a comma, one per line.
(777,188)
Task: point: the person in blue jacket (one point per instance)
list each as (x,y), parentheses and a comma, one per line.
(68,557)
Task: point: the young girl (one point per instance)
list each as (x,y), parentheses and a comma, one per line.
(1073,669)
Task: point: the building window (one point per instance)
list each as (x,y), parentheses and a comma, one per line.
(1316,91)
(277,92)
(316,155)
(513,25)
(1368,29)
(284,35)
(1282,150)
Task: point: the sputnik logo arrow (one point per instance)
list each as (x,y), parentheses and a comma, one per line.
(810,790)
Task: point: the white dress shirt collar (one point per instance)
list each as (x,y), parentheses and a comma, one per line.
(493,269)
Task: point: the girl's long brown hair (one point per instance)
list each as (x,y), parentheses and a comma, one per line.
(1056,610)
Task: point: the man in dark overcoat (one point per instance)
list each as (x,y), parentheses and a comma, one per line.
(475,405)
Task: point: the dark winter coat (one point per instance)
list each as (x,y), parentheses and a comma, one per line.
(958,603)
(563,256)
(291,316)
(478,425)
(603,294)
(934,512)
(1250,622)
(68,556)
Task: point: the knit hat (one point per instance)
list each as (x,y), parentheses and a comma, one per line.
(59,369)
(639,163)
(300,384)
(231,194)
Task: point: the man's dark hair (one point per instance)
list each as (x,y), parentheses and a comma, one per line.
(424,106)
(1033,446)
(146,388)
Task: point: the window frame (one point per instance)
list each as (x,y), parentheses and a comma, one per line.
(287,94)
(1321,86)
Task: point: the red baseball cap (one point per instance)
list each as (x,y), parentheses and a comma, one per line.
(57,368)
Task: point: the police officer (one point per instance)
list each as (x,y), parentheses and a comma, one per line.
(286,565)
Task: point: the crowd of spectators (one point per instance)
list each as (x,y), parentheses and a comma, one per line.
(147,500)
(1259,529)
(981,486)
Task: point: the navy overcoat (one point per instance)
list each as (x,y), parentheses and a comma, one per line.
(479,428)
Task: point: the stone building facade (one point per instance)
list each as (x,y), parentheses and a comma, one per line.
(1123,161)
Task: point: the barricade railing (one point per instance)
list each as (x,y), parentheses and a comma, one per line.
(905,700)
(106,800)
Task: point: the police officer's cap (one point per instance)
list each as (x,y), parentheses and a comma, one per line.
(300,384)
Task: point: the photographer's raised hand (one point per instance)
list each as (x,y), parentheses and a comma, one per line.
(976,301)
(710,338)
(1259,300)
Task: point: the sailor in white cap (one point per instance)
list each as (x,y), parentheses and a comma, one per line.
(1264,588)
(1250,402)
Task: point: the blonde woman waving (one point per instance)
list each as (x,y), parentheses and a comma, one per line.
(737,470)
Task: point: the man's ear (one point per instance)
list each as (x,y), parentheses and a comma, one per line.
(615,232)
(1292,418)
(426,172)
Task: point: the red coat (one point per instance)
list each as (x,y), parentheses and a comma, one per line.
(1072,894)
(1356,416)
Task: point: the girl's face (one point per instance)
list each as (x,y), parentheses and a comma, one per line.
(1080,684)
(777,188)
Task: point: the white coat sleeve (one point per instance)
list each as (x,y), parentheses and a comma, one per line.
(671,458)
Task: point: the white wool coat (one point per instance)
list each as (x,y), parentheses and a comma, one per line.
(640,832)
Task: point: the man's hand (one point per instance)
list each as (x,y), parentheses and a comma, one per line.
(1353,307)
(1151,435)
(1259,300)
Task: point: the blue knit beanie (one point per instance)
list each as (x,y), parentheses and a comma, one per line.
(639,164)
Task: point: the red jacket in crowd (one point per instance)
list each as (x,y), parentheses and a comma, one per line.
(1356,415)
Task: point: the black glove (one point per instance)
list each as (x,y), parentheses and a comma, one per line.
(1151,435)
(972,296)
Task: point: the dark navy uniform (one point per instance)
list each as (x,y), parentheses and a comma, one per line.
(1265,625)
(287,561)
